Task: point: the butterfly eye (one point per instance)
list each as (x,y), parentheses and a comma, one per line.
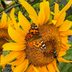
(33,26)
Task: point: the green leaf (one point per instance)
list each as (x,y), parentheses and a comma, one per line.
(0,69)
(67,0)
(66,67)
(69,17)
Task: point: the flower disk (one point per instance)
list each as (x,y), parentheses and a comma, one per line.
(40,51)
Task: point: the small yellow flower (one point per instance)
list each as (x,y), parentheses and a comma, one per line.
(40,52)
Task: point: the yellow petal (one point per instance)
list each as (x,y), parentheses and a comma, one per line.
(55,66)
(15,35)
(1,58)
(56,10)
(43,69)
(10,57)
(21,31)
(60,19)
(67,6)
(4,21)
(61,53)
(22,67)
(12,21)
(30,10)
(66,33)
(32,69)
(16,27)
(64,40)
(63,60)
(24,23)
(65,47)
(41,17)
(13,46)
(44,13)
(36,70)
(54,22)
(13,18)
(65,26)
(19,60)
(51,68)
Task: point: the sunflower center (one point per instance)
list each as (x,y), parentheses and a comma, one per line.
(3,33)
(43,50)
(3,38)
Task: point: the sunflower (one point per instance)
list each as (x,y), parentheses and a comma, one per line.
(37,46)
(3,31)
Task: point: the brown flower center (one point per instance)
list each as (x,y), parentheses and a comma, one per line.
(43,50)
(3,38)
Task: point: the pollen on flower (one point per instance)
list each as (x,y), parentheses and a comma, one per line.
(2,41)
(3,38)
(3,33)
(41,51)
